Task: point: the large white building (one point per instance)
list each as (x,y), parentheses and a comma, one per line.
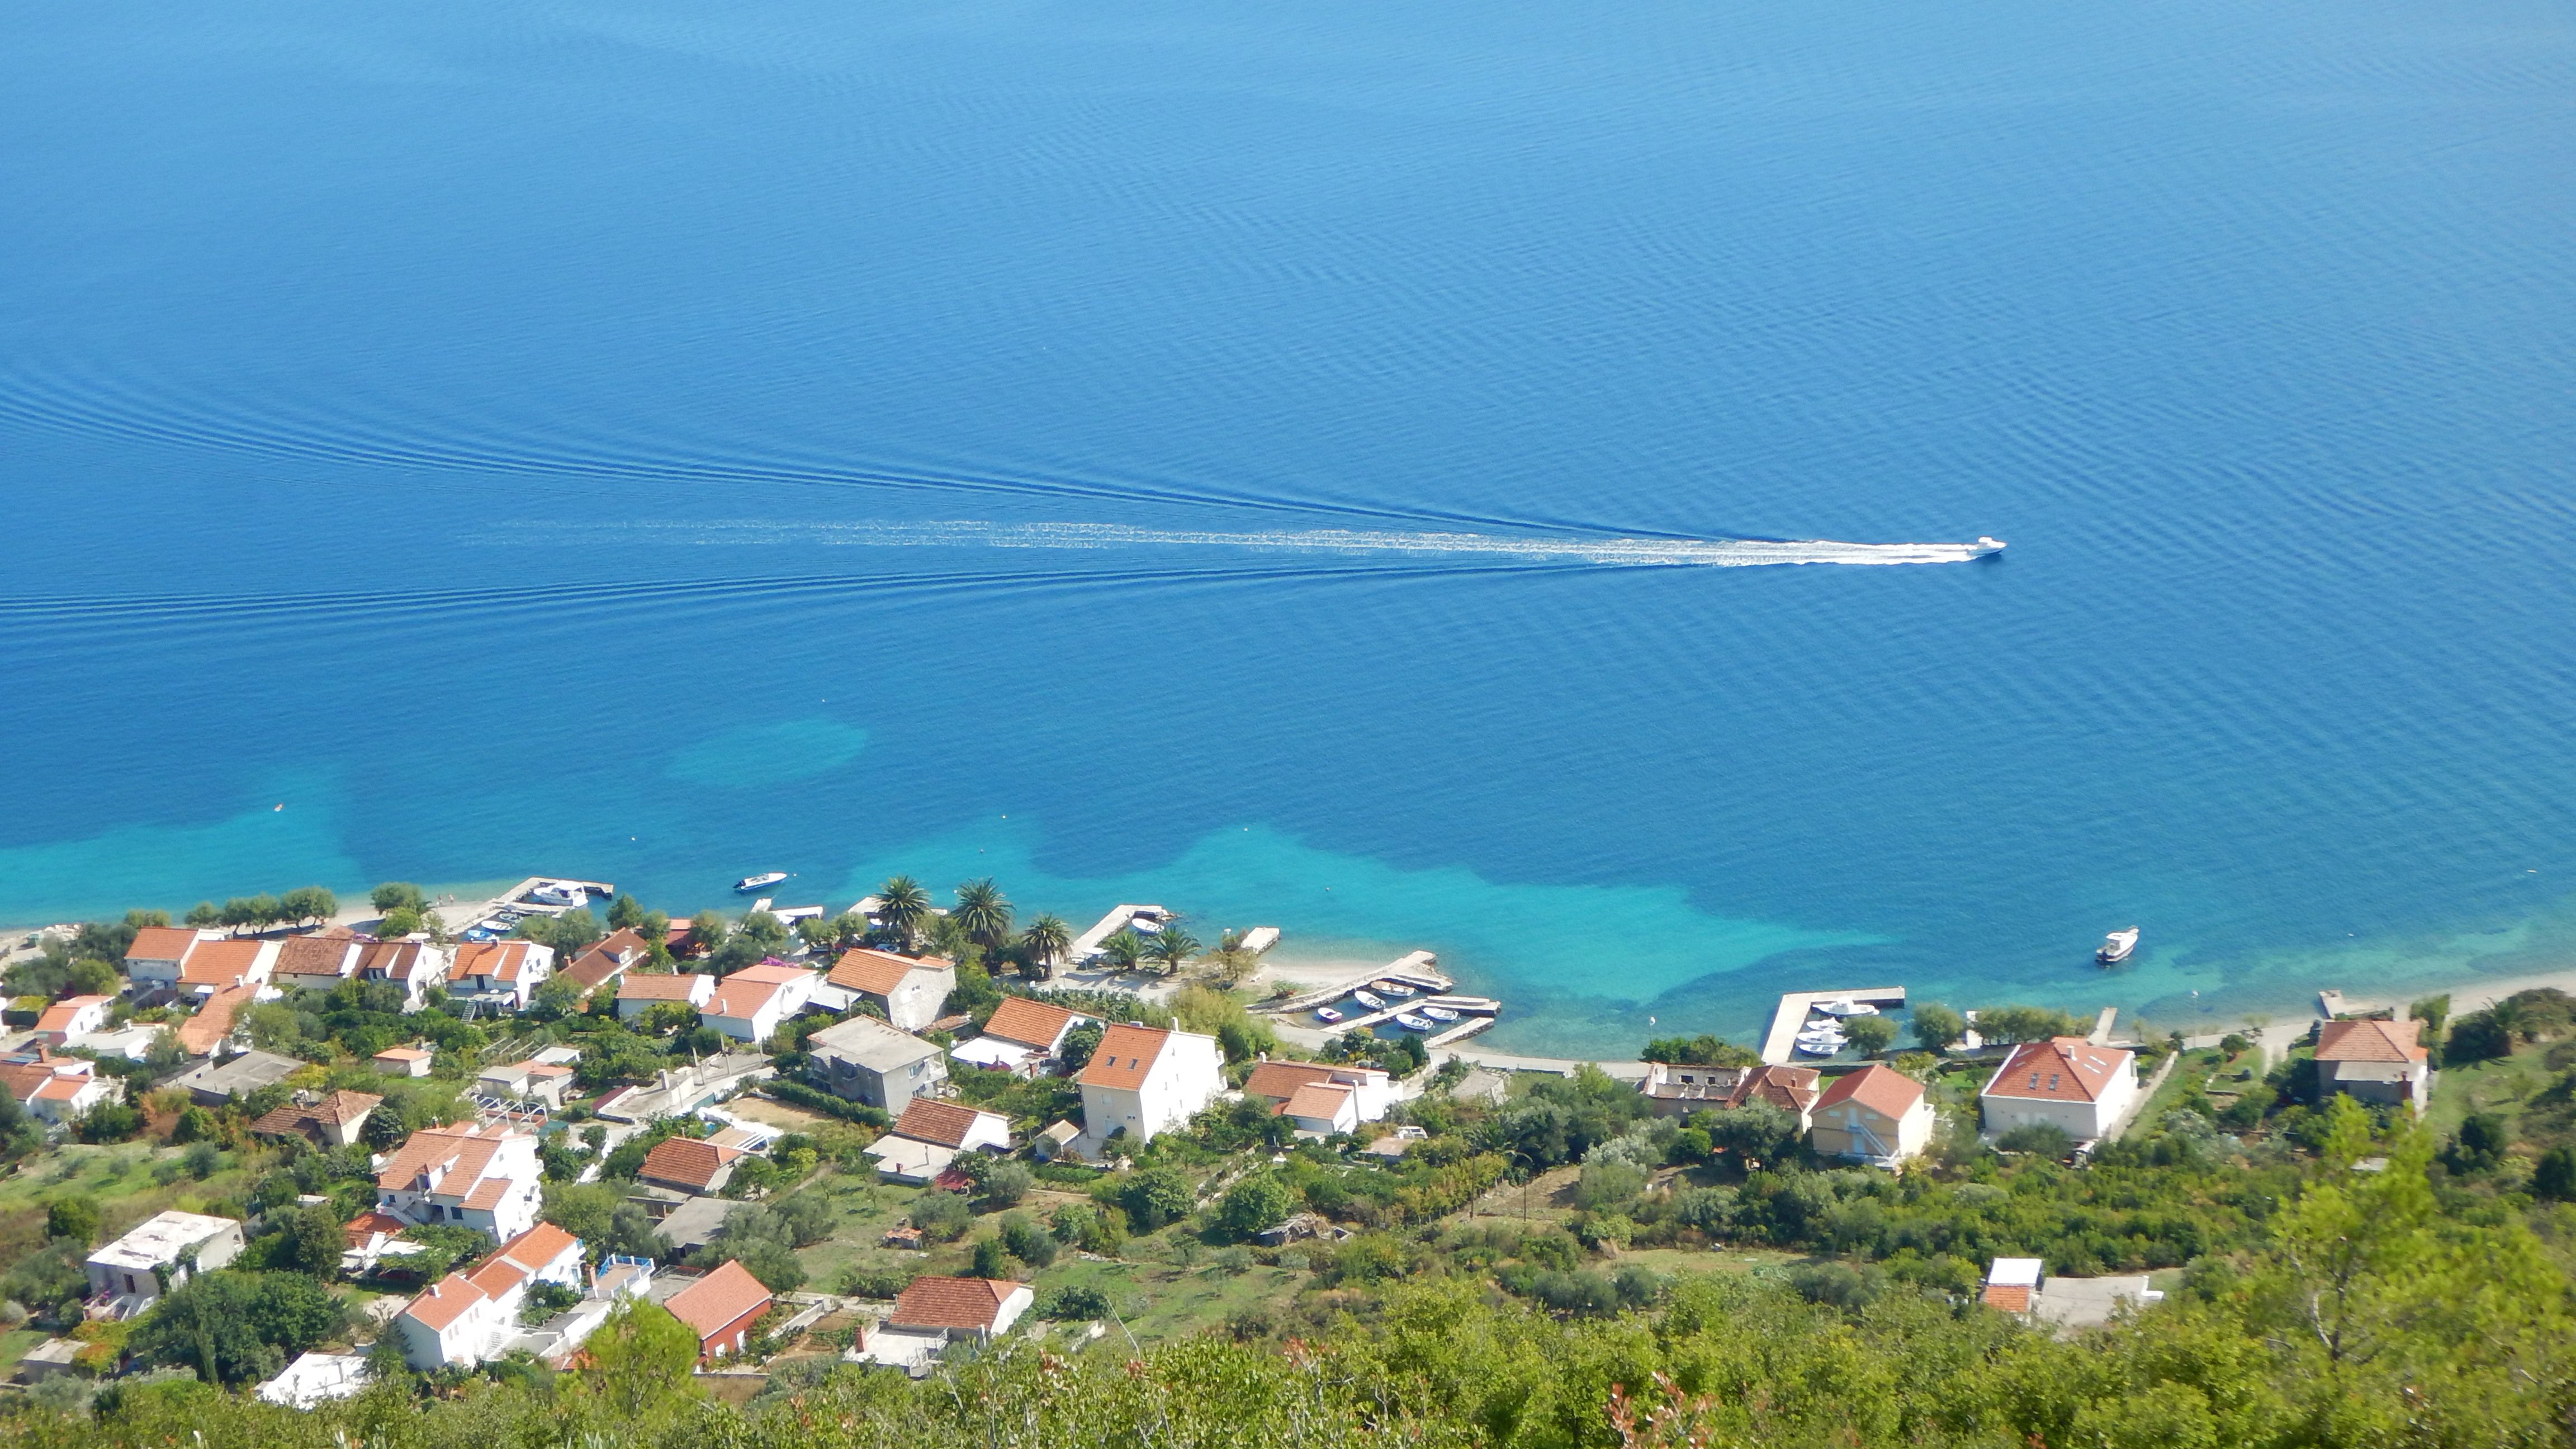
(466,1318)
(470,1176)
(749,1004)
(1142,1081)
(159,1255)
(908,989)
(1876,1115)
(2064,1082)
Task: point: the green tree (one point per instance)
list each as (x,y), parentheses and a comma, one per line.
(984,913)
(1123,949)
(204,914)
(1260,1200)
(313,1242)
(235,1327)
(2004,1025)
(904,907)
(1938,1027)
(309,905)
(1046,940)
(2553,1175)
(992,1260)
(707,933)
(398,895)
(399,922)
(1078,1045)
(1153,1196)
(1172,947)
(638,1360)
(1870,1035)
(75,1218)
(1756,1131)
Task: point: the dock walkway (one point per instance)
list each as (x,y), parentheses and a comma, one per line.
(1778,1047)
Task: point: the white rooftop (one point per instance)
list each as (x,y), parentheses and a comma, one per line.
(2015,1273)
(159,1241)
(315,1377)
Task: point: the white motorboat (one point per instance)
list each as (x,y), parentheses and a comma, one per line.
(1818,1048)
(1393,988)
(1372,1002)
(1411,1022)
(1327,1014)
(2117,947)
(1845,1006)
(1829,1038)
(1985,547)
(1439,1013)
(760,882)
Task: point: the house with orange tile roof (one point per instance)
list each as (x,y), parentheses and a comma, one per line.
(222,965)
(619,952)
(640,991)
(202,1034)
(54,1090)
(1023,1036)
(1142,1080)
(908,989)
(329,1120)
(499,975)
(967,1310)
(468,1318)
(1277,1082)
(720,1308)
(316,963)
(2375,1061)
(690,1165)
(471,1175)
(73,1016)
(2065,1082)
(1876,1115)
(413,966)
(158,953)
(932,1134)
(405,1061)
(750,1004)
(1679,1090)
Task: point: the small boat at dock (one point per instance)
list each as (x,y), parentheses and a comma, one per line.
(1439,1013)
(760,882)
(1392,988)
(1411,1022)
(1327,1014)
(2117,947)
(1806,1048)
(1846,1007)
(1372,1002)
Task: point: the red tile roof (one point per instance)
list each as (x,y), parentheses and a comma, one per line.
(679,986)
(367,1224)
(313,956)
(214,1019)
(594,967)
(297,1119)
(718,1300)
(500,960)
(1320,1100)
(1124,1056)
(1789,1088)
(221,963)
(2010,1297)
(2370,1041)
(538,1246)
(1884,1090)
(444,1302)
(687,1162)
(950,1303)
(945,1123)
(1033,1023)
(2061,1069)
(162,943)
(878,973)
(59,1016)
(1279,1081)
(392,960)
(465,1151)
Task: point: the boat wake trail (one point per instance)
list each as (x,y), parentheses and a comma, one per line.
(1346,542)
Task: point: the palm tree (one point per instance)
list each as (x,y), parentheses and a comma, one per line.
(985,913)
(1047,939)
(903,905)
(1172,946)
(1123,950)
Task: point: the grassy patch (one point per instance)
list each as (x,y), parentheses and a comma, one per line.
(1161,1302)
(2499,1084)
(15,1343)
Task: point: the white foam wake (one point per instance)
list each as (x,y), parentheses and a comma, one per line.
(1706,553)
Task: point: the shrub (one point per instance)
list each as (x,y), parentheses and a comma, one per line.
(857,1282)
(1154,1196)
(1027,1241)
(1073,1301)
(1261,1200)
(941,1216)
(1006,1183)
(2039,1139)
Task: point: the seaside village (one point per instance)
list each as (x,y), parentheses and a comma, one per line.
(297,1150)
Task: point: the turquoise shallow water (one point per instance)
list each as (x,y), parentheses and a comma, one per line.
(653,444)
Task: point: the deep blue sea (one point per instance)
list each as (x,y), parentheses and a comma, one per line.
(658,442)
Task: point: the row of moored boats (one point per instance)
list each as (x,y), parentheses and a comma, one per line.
(1822,1036)
(1374,997)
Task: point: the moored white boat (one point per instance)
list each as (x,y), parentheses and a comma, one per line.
(758,882)
(1392,988)
(1845,1006)
(1411,1022)
(1439,1013)
(1372,1002)
(2117,947)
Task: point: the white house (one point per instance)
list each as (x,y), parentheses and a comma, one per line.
(137,1268)
(640,992)
(528,1081)
(466,1318)
(73,1016)
(1371,1090)
(866,1061)
(500,975)
(932,1134)
(473,1176)
(1142,1081)
(749,1004)
(2065,1082)
(53,1089)
(413,966)
(1876,1115)
(909,990)
(2375,1061)
(1023,1036)
(159,953)
(936,1312)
